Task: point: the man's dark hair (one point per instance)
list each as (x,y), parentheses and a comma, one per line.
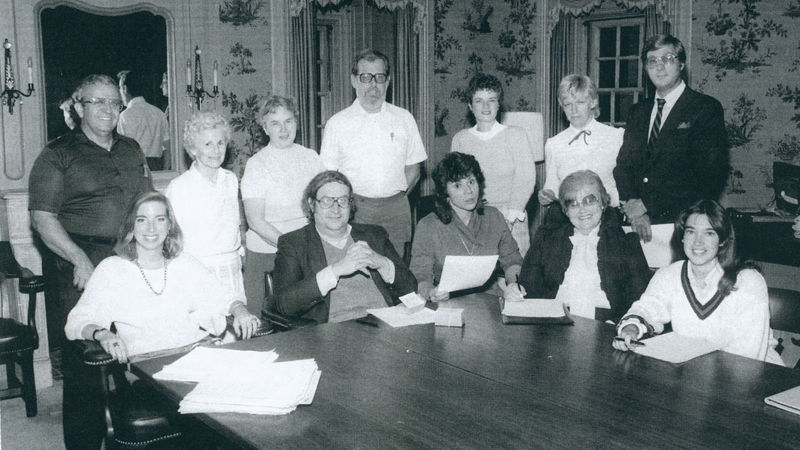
(136,83)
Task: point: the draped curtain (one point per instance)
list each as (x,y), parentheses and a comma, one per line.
(304,85)
(563,48)
(405,82)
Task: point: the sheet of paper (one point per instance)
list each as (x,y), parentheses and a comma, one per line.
(674,348)
(788,400)
(534,307)
(401,315)
(413,300)
(450,317)
(205,363)
(466,272)
(658,251)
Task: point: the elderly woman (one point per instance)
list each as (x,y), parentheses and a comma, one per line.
(589,263)
(708,295)
(503,152)
(149,298)
(461,225)
(205,199)
(331,270)
(272,190)
(586,145)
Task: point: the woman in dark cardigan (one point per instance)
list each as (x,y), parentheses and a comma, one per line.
(589,262)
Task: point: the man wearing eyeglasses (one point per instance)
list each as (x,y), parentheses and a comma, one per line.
(79,189)
(378,147)
(675,148)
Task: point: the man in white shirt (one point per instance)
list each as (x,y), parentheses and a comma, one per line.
(143,122)
(378,147)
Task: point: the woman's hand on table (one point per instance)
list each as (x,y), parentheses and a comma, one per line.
(796,227)
(514,292)
(436,296)
(112,344)
(626,339)
(244,323)
(546,196)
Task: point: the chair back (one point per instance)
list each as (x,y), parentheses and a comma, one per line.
(784,310)
(533,124)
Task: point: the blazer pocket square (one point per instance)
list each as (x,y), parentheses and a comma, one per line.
(684,125)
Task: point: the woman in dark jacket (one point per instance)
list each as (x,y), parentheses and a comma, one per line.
(589,263)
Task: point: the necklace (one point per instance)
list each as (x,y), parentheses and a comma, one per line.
(148,281)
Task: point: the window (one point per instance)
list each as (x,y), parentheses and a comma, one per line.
(614,64)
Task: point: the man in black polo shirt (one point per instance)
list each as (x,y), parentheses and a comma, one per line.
(80,187)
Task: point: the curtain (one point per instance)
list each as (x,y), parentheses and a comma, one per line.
(304,86)
(563,48)
(406,70)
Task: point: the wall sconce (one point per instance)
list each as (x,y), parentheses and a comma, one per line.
(9,94)
(195,90)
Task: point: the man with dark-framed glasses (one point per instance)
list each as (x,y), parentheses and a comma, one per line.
(80,187)
(378,146)
(675,148)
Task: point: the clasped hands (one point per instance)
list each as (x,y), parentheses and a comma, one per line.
(360,257)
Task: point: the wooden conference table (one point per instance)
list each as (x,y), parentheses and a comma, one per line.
(510,386)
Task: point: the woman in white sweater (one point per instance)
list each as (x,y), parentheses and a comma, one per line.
(709,295)
(503,153)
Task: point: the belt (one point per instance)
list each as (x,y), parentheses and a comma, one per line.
(93,239)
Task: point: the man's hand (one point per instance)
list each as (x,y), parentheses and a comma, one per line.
(641,225)
(82,272)
(633,208)
(546,196)
(436,295)
(357,258)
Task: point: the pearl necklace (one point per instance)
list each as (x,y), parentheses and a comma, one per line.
(148,281)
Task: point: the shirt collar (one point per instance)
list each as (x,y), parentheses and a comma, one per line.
(486,135)
(587,239)
(710,280)
(81,136)
(361,109)
(338,243)
(673,96)
(590,125)
(139,99)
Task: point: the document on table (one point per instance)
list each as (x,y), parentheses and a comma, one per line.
(402,316)
(534,307)
(204,363)
(658,251)
(787,400)
(277,390)
(466,272)
(675,348)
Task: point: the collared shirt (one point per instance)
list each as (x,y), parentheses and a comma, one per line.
(372,150)
(278,177)
(580,289)
(207,212)
(146,124)
(596,152)
(506,161)
(88,186)
(670,100)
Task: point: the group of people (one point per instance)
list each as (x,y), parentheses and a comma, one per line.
(140,271)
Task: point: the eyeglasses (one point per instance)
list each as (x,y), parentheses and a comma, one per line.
(666,60)
(367,77)
(113,103)
(327,202)
(588,201)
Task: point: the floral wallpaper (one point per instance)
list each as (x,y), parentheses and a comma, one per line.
(490,36)
(244,76)
(747,54)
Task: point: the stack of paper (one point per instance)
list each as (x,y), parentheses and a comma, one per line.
(401,315)
(260,386)
(278,390)
(675,348)
(786,400)
(535,307)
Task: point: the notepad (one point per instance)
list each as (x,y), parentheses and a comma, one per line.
(466,272)
(534,311)
(675,348)
(402,316)
(205,363)
(787,400)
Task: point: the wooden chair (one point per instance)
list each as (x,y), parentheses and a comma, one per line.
(17,340)
(135,415)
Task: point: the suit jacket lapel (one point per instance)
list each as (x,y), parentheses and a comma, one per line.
(316,254)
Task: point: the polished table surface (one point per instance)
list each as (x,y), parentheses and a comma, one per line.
(511,386)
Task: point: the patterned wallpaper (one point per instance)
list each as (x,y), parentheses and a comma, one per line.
(746,53)
(490,36)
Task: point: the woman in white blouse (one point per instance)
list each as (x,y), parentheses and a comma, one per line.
(708,295)
(272,191)
(586,145)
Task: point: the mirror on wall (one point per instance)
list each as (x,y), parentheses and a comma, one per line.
(76,43)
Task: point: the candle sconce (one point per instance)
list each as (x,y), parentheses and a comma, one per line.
(10,95)
(194,85)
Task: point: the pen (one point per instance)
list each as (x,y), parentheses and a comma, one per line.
(634,342)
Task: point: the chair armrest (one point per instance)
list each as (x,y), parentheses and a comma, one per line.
(92,353)
(280,322)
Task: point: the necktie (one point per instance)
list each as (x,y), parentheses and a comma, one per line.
(656,127)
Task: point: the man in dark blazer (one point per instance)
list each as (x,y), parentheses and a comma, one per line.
(660,172)
(331,269)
